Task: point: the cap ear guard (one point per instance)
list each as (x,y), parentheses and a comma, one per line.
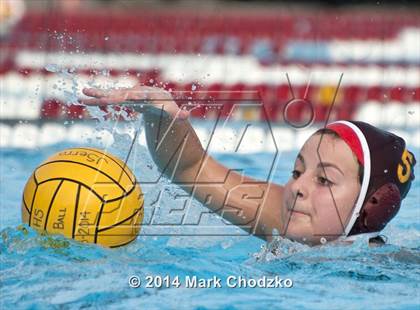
(381,206)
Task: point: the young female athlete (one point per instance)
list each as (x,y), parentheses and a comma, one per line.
(348,179)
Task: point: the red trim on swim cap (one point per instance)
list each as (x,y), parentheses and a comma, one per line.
(350,137)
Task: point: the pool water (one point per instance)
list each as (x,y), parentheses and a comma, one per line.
(40,271)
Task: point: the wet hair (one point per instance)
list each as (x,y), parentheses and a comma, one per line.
(378,240)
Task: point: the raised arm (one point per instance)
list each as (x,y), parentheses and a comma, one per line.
(174,146)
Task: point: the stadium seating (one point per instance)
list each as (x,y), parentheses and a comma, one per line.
(240,54)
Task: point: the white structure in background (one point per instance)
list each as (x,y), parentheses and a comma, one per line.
(227,139)
(227,70)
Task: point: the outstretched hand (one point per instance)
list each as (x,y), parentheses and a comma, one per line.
(139,98)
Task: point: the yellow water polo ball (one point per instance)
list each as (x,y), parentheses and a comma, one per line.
(85,194)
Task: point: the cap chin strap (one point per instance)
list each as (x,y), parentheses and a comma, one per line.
(365,181)
(365,235)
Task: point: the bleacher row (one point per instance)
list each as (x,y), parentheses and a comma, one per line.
(44,85)
(189,31)
(222,57)
(54,96)
(227,69)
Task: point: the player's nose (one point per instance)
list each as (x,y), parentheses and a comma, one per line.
(300,188)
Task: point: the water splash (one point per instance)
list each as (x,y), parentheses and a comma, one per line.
(278,248)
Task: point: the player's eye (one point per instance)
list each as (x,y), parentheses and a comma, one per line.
(296,174)
(324,181)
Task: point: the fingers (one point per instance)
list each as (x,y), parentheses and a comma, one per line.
(94,101)
(103,98)
(94,92)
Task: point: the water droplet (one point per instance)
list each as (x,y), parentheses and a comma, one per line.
(193,87)
(386,171)
(52,68)
(106,38)
(323,240)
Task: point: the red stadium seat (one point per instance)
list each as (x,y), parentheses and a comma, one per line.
(375,93)
(74,111)
(51,109)
(283,93)
(352,94)
(270,103)
(397,93)
(414,94)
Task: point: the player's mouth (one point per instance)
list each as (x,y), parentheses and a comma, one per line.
(299,213)
(295,211)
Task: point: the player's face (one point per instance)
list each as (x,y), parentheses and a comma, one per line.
(323,189)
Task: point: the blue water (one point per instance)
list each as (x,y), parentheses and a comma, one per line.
(39,271)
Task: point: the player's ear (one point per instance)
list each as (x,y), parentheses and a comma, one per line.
(381,206)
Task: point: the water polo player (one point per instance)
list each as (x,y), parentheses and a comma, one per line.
(348,179)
